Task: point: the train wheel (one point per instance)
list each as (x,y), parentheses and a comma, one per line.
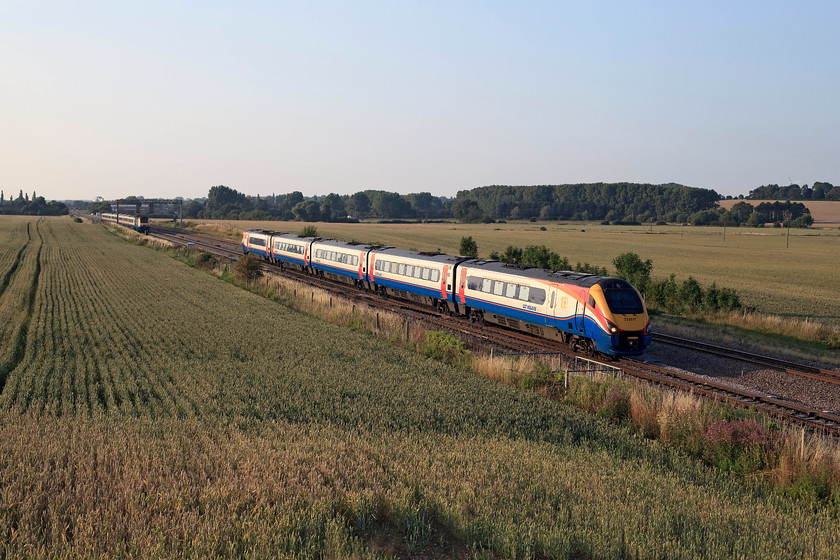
(477,317)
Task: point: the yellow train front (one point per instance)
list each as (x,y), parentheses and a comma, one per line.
(590,313)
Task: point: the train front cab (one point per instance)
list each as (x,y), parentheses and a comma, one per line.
(626,320)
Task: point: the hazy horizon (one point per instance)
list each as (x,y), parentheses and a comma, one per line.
(162,100)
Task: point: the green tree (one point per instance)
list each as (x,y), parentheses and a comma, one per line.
(632,268)
(358,205)
(307,211)
(468,247)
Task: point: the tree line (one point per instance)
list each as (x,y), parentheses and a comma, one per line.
(818,191)
(226,203)
(609,203)
(613,202)
(36,206)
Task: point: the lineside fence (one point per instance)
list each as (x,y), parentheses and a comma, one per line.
(580,367)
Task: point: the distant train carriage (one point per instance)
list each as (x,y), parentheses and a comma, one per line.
(421,277)
(133,221)
(592,313)
(257,241)
(339,260)
(290,249)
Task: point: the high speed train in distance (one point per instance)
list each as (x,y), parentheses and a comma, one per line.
(135,222)
(590,313)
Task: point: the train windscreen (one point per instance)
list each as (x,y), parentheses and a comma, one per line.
(622,298)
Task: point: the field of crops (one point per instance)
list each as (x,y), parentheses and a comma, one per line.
(791,282)
(152,410)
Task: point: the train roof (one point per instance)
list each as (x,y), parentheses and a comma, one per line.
(564,276)
(346,244)
(431,256)
(295,236)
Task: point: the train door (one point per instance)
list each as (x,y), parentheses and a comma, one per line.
(580,312)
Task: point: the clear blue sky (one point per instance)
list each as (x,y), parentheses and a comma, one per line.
(169,98)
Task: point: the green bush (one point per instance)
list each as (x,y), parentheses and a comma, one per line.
(446,348)
(538,376)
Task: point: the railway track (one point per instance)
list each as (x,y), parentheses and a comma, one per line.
(793,368)
(813,419)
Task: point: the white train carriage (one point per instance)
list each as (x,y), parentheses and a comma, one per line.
(257,241)
(425,278)
(589,312)
(340,260)
(497,293)
(288,249)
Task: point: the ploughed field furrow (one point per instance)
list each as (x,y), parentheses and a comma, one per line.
(11,252)
(83,355)
(17,305)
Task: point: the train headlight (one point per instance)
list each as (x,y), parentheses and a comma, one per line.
(647,328)
(613,328)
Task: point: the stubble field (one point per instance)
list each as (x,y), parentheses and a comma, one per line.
(152,410)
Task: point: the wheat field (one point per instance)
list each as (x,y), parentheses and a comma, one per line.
(152,410)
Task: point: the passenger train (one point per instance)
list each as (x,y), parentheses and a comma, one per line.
(590,313)
(139,223)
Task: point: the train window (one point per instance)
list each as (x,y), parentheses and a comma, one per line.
(318,254)
(426,273)
(486,285)
(537,296)
(498,288)
(510,290)
(401,269)
(409,270)
(473,282)
(624,301)
(387,266)
(435,276)
(524,292)
(592,302)
(418,271)
(355,260)
(552,300)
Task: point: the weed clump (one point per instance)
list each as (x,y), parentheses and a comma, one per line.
(206,261)
(247,268)
(446,348)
